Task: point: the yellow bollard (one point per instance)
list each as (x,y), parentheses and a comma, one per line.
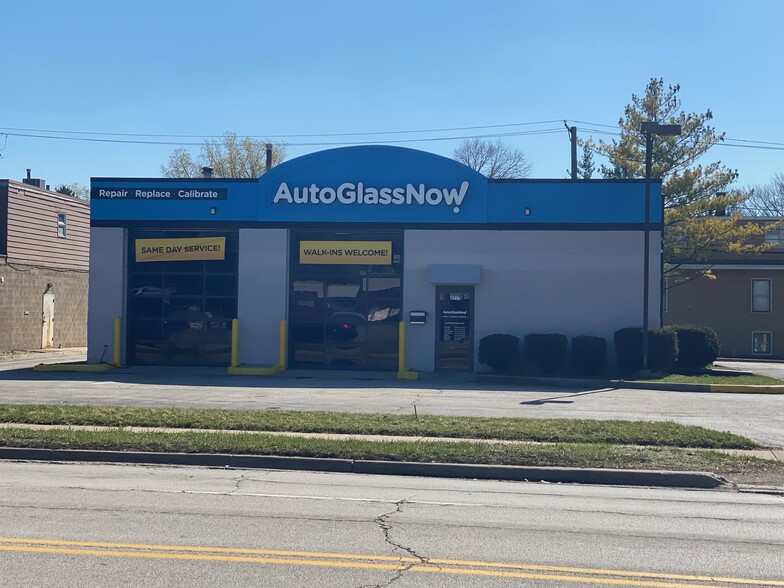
(117,341)
(402,372)
(282,346)
(235,342)
(241,370)
(89,367)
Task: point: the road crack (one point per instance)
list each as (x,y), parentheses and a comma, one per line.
(237,483)
(385,525)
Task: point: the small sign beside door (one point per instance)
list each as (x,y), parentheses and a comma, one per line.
(417,317)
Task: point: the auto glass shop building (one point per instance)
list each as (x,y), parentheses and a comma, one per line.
(345,244)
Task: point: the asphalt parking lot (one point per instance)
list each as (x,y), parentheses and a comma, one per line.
(773,369)
(758,416)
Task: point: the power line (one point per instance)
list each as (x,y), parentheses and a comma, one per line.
(353,134)
(728,140)
(749,146)
(582,122)
(750,141)
(311,144)
(104,137)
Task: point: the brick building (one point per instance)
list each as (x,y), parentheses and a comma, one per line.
(44,260)
(744,304)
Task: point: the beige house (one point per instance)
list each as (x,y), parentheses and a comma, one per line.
(744,304)
(44,260)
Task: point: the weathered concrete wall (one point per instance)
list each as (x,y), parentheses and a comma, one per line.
(21,305)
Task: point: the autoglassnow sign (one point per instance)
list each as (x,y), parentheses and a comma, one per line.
(359,193)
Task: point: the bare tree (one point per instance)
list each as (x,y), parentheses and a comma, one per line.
(74,189)
(229,157)
(767,200)
(181,165)
(494,159)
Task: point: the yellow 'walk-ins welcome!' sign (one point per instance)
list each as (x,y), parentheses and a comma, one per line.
(192,249)
(346,252)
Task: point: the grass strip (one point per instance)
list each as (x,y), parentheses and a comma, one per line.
(563,455)
(709,379)
(663,434)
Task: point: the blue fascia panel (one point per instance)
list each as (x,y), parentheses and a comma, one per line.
(614,202)
(324,187)
(239,204)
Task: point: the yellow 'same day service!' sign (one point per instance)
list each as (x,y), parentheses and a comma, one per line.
(193,249)
(345,252)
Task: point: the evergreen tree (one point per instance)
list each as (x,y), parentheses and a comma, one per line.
(585,166)
(698,197)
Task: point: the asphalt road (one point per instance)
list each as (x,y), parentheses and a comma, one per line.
(758,416)
(115,525)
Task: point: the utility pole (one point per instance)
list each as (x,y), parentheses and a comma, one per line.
(573,139)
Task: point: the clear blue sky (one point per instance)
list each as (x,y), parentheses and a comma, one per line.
(339,66)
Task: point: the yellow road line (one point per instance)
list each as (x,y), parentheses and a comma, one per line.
(408,561)
(347,564)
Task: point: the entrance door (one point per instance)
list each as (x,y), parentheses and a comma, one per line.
(47,315)
(455,338)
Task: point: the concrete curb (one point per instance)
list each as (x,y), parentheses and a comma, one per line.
(439,470)
(632,384)
(74,367)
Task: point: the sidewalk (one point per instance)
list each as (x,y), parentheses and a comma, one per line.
(44,355)
(15,360)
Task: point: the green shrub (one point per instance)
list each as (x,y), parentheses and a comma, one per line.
(589,354)
(546,351)
(697,346)
(499,351)
(662,349)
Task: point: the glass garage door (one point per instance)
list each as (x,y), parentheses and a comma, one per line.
(180,310)
(344,316)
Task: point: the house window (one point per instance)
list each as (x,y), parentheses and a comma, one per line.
(775,237)
(760,296)
(62,224)
(762,343)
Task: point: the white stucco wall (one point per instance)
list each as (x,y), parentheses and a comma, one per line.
(106,293)
(570,282)
(262,293)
